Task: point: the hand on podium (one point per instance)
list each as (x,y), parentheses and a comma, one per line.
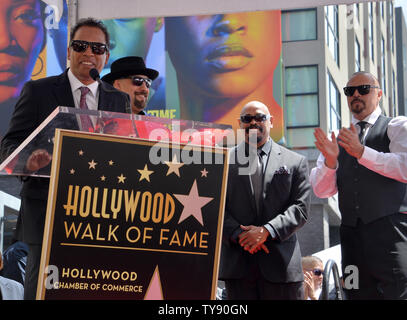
(40,158)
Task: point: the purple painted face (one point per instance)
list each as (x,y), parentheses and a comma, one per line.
(21,39)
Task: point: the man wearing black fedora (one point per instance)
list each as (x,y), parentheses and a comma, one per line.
(130,75)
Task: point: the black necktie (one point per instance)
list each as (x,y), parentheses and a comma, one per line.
(362,125)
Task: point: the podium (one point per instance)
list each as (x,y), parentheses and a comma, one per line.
(135,208)
(114,123)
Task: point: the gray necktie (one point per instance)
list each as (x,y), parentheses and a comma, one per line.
(362,125)
(86,123)
(257,179)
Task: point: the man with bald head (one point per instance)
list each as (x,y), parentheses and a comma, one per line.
(260,257)
(367,165)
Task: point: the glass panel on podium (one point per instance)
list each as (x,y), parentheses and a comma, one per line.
(120,124)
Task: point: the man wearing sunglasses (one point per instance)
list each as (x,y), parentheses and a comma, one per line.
(88,49)
(367,165)
(260,256)
(130,75)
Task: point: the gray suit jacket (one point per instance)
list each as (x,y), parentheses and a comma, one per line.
(284,205)
(11,290)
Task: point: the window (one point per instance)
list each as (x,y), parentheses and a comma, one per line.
(332,31)
(391,26)
(299,25)
(301,96)
(334,102)
(357,55)
(356,11)
(383,66)
(381,4)
(371,29)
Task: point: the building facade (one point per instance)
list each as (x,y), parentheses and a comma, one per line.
(401,45)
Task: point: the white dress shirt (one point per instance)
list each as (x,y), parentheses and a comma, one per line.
(11,289)
(92,98)
(392,165)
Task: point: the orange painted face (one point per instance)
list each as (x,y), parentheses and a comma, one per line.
(21,39)
(225,55)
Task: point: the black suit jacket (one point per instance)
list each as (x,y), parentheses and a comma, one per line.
(284,205)
(37,100)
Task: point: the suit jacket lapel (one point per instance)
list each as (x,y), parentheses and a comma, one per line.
(103,100)
(273,163)
(63,92)
(106,101)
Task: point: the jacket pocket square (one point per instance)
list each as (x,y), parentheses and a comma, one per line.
(283,170)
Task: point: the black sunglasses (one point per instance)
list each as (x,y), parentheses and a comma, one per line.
(138,81)
(363,89)
(318,272)
(81,46)
(259,117)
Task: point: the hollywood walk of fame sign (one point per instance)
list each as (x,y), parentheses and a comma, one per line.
(121,225)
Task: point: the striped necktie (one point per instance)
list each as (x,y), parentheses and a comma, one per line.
(86,123)
(362,125)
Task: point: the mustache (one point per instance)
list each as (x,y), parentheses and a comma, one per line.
(141,93)
(14,50)
(357,100)
(254,126)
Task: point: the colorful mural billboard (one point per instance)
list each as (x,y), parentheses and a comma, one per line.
(210,66)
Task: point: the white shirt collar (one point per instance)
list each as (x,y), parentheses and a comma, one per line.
(371,118)
(76,84)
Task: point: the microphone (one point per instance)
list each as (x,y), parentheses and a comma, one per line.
(94,74)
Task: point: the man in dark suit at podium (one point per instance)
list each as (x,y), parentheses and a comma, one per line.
(88,49)
(260,257)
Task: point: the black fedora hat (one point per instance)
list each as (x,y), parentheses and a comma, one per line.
(128,66)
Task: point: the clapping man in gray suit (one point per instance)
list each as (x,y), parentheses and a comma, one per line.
(260,257)
(88,49)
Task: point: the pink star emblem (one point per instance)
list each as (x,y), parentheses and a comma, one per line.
(192,204)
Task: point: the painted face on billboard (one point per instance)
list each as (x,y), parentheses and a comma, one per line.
(225,55)
(21,40)
(131,37)
(59,35)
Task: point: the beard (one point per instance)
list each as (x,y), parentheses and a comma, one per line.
(357,106)
(259,133)
(139,104)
